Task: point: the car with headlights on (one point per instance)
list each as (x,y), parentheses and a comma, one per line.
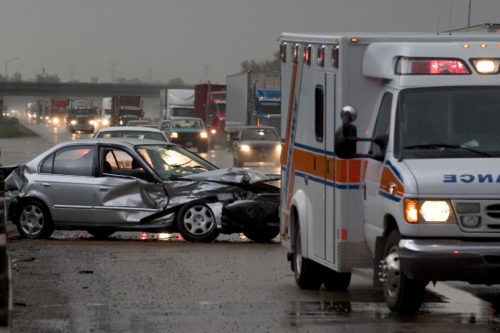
(108,185)
(256,144)
(137,132)
(187,131)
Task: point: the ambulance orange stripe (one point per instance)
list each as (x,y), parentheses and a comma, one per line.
(347,171)
(291,100)
(389,177)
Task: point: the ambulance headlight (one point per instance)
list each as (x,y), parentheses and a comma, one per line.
(486,66)
(428,211)
(435,211)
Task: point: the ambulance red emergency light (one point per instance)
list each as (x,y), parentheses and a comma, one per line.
(390,159)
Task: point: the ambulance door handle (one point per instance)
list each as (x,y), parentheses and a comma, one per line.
(306,179)
(364,190)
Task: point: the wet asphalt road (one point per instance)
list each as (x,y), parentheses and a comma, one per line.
(138,283)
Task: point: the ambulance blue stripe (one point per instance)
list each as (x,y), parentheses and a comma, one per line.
(314,149)
(327,183)
(388,196)
(396,171)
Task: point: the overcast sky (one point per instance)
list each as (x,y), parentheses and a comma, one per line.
(195,39)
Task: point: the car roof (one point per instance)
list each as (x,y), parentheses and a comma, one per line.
(186,118)
(129,128)
(259,127)
(124,141)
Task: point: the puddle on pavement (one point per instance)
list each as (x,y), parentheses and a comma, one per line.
(132,236)
(365,305)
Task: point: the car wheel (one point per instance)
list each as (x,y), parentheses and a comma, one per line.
(196,223)
(335,281)
(34,220)
(203,148)
(238,162)
(261,235)
(235,160)
(308,274)
(100,233)
(401,294)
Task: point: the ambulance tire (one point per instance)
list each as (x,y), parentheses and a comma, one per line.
(401,294)
(335,281)
(308,274)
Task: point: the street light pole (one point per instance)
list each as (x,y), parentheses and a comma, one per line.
(7,63)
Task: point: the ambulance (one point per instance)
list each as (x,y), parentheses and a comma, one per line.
(391,160)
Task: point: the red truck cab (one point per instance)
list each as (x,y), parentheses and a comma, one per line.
(210,105)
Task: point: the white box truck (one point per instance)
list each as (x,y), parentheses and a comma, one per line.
(390,160)
(176,103)
(252,99)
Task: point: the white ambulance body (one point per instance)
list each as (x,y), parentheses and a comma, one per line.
(411,187)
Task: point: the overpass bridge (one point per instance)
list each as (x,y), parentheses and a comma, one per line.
(77,89)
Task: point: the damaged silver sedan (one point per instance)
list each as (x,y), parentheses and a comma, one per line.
(104,186)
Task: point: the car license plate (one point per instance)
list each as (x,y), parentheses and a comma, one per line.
(189,143)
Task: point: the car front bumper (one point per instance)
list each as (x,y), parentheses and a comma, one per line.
(477,262)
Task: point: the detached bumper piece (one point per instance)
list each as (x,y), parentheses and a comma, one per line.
(257,214)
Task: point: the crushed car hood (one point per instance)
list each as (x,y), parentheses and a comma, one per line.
(233,176)
(218,183)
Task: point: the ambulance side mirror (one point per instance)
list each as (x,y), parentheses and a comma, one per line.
(346,136)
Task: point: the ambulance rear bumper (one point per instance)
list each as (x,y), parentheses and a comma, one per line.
(476,262)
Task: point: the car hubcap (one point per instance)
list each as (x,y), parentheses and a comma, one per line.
(31,220)
(199,220)
(391,272)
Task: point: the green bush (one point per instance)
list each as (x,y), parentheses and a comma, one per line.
(11,128)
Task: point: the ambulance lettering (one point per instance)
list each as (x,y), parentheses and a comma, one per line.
(470,178)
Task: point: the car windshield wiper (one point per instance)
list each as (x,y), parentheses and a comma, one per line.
(446,146)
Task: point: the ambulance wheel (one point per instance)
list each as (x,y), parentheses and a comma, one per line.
(401,294)
(196,223)
(335,281)
(308,274)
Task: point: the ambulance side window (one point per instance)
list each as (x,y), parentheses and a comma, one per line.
(319,113)
(382,126)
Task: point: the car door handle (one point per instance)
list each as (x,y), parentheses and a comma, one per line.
(45,185)
(103,189)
